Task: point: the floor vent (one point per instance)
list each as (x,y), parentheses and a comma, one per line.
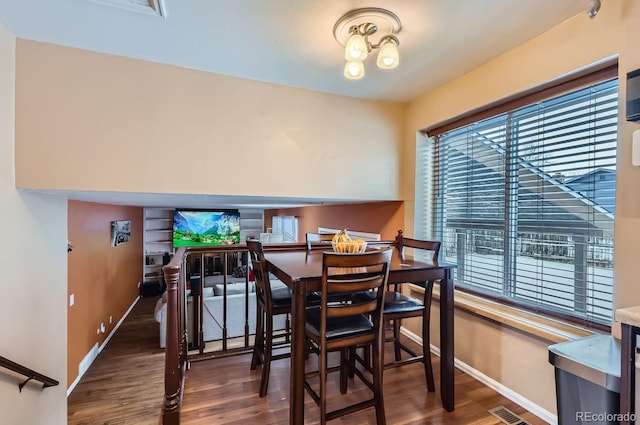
(507,416)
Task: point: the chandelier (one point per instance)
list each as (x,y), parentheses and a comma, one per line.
(362,30)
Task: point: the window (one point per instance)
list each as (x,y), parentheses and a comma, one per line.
(524,200)
(287,226)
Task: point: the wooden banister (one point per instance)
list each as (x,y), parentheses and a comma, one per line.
(176,345)
(30,374)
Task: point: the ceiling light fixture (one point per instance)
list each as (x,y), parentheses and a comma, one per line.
(356,31)
(593,6)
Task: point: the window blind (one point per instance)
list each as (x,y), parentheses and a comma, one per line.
(524,202)
(287,226)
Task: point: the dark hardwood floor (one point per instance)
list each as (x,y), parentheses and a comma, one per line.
(125,383)
(125,386)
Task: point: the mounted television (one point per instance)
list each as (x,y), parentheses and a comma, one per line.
(206,228)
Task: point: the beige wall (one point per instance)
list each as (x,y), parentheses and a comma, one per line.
(92,121)
(34,278)
(575,43)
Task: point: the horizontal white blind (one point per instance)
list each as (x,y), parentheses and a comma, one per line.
(525,202)
(287,226)
(425,173)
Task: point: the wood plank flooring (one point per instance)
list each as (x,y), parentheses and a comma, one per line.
(125,386)
(125,383)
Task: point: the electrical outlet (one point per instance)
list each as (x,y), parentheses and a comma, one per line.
(72,300)
(98,331)
(138,284)
(110,319)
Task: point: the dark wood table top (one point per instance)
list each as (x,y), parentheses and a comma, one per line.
(296,266)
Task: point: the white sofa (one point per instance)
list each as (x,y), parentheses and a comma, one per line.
(213,304)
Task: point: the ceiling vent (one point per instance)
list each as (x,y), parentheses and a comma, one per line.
(154,7)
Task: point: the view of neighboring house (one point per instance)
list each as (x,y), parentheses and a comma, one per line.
(601,181)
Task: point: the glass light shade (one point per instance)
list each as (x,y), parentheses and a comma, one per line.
(388,57)
(356,48)
(354,70)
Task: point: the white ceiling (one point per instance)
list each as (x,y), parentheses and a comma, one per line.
(186,200)
(291,42)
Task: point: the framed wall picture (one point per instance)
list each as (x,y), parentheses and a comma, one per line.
(120,232)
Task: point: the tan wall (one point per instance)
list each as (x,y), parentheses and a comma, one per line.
(385,218)
(569,46)
(33,261)
(103,279)
(117,124)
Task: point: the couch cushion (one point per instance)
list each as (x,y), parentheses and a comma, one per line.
(157,312)
(232,288)
(218,279)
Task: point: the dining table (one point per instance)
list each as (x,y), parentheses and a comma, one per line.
(301,271)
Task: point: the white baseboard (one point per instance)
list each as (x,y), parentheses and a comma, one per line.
(88,359)
(498,387)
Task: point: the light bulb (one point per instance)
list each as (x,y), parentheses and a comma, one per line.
(593,6)
(388,57)
(356,48)
(354,70)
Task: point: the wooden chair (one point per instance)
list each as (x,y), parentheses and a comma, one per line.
(320,239)
(268,303)
(398,306)
(341,326)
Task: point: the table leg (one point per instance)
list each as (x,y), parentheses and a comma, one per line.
(298,349)
(446,343)
(628,373)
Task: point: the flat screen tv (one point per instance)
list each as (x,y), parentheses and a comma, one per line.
(206,228)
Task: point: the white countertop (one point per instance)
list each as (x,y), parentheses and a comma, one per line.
(629,315)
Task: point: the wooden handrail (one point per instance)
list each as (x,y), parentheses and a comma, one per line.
(30,374)
(176,345)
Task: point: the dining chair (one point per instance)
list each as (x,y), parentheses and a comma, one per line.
(398,306)
(318,239)
(342,326)
(269,303)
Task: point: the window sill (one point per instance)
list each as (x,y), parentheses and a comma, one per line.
(530,323)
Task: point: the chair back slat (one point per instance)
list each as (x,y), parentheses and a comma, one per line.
(344,310)
(354,285)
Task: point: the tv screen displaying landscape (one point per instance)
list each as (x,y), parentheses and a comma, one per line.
(205,228)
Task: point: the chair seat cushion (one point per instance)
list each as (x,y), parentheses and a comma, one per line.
(337,327)
(281,297)
(395,302)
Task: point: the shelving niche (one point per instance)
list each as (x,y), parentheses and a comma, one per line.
(158,228)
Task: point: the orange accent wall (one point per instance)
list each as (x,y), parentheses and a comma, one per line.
(103,279)
(385,217)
